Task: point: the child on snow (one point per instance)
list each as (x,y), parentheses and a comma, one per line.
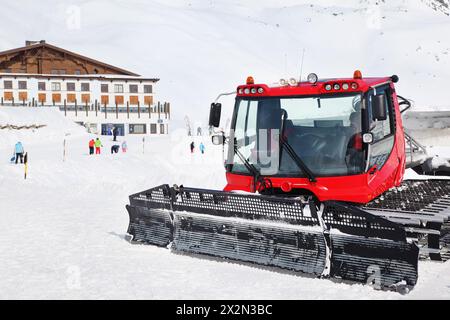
(192,147)
(98,145)
(124,146)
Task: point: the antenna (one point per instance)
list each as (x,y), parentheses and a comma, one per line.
(301,66)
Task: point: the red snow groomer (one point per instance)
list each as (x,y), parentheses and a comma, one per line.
(326,159)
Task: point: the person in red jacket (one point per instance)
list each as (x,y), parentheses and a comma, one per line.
(91,146)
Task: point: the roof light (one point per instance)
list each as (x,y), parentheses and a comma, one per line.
(250,80)
(260,90)
(253,90)
(292,82)
(354,86)
(283,82)
(336,86)
(312,78)
(345,86)
(246,90)
(328,87)
(241,91)
(357,74)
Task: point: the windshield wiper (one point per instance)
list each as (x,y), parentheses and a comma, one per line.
(298,161)
(250,167)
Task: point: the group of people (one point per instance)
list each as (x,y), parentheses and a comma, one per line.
(201,147)
(97,145)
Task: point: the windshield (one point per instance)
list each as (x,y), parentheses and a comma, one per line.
(324,132)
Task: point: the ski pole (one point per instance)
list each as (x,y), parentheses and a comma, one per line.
(25,160)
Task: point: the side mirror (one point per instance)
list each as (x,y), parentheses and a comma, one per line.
(214,114)
(218,140)
(379,107)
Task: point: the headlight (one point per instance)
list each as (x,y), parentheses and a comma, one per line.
(328,87)
(336,86)
(312,78)
(345,86)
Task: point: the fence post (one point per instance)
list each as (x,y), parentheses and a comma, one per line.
(117,111)
(76,108)
(65,108)
(149,111)
(96,108)
(168,108)
(128,110)
(32,102)
(106,115)
(2,101)
(159,110)
(139,109)
(86,107)
(12,100)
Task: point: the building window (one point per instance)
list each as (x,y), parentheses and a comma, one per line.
(77,72)
(71,97)
(23,96)
(134,100)
(8,96)
(148,100)
(85,86)
(22,85)
(133,88)
(119,100)
(58,71)
(137,128)
(148,88)
(56,97)
(56,86)
(118,88)
(70,86)
(7,84)
(153,128)
(42,97)
(41,86)
(7,70)
(161,128)
(86,98)
(104,100)
(104,88)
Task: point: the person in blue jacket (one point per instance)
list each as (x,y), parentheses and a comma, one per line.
(18,149)
(202,147)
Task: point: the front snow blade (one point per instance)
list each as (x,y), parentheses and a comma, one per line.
(292,247)
(275,231)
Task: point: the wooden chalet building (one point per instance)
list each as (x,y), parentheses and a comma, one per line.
(93,93)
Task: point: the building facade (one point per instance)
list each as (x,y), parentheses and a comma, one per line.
(90,92)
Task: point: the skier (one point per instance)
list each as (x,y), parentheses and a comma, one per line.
(192,147)
(124,146)
(18,149)
(202,147)
(91,146)
(98,145)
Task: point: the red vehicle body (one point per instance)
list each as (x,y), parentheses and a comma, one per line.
(374,180)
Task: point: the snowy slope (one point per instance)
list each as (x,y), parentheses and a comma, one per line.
(62,231)
(201,48)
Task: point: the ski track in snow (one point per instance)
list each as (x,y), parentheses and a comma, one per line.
(63,229)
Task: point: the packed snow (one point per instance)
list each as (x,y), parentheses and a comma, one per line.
(63,230)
